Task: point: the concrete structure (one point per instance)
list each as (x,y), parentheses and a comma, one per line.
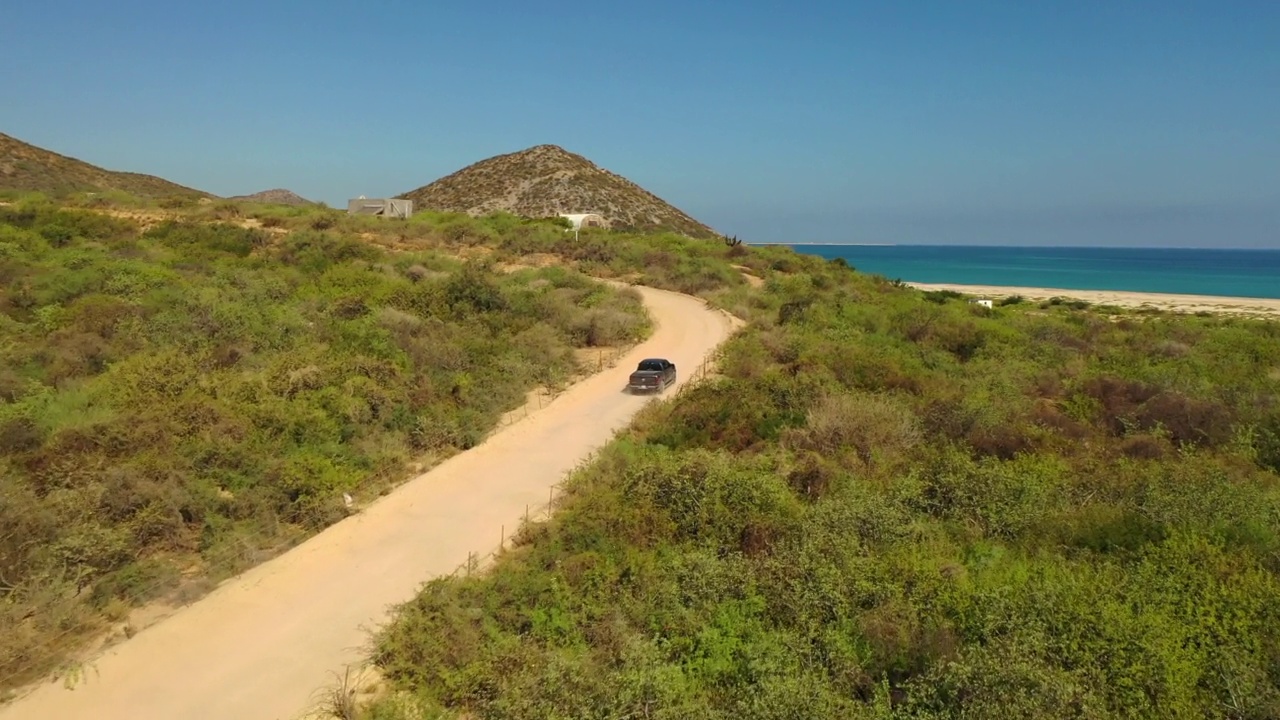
(581,220)
(382,207)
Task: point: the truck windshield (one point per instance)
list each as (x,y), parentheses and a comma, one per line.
(650,364)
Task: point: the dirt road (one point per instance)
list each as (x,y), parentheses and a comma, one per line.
(262,644)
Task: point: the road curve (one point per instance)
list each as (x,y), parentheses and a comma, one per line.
(260,645)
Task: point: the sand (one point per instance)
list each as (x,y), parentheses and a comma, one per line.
(1259,307)
(263,645)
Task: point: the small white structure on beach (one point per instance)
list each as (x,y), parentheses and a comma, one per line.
(984,303)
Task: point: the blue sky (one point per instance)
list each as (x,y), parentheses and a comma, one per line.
(1085,122)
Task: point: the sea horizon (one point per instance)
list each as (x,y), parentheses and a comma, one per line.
(1021,247)
(1222,272)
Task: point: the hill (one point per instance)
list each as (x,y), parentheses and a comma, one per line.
(26,167)
(546,180)
(277,196)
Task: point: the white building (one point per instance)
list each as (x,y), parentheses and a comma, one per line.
(581,220)
(383,207)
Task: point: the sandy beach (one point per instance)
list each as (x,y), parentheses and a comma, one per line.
(1255,307)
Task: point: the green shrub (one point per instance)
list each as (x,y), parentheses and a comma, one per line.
(885,505)
(888,505)
(207,397)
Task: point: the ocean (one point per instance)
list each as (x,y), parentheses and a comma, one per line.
(1230,273)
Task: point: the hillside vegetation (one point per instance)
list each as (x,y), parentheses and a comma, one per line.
(276,196)
(546,180)
(887,504)
(27,168)
(892,504)
(180,403)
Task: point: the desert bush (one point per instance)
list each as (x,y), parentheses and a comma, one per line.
(872,426)
(885,506)
(736,415)
(218,237)
(941,297)
(813,476)
(208,397)
(1266,442)
(941,514)
(1187,420)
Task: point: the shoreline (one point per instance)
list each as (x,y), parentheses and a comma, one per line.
(1172,302)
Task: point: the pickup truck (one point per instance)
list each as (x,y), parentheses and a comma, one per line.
(652,374)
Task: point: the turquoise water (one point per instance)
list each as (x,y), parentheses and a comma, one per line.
(1233,273)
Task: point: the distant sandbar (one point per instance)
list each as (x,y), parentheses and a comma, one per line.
(1264,307)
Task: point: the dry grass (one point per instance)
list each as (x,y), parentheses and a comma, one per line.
(344,698)
(870,425)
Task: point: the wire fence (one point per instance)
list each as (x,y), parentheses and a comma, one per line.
(61,653)
(596,362)
(700,373)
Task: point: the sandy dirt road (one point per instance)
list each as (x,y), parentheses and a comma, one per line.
(261,645)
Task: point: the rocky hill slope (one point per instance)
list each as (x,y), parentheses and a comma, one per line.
(277,196)
(546,180)
(29,168)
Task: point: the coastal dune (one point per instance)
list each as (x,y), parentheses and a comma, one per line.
(1170,302)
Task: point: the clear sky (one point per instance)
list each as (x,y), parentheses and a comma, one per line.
(1072,122)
